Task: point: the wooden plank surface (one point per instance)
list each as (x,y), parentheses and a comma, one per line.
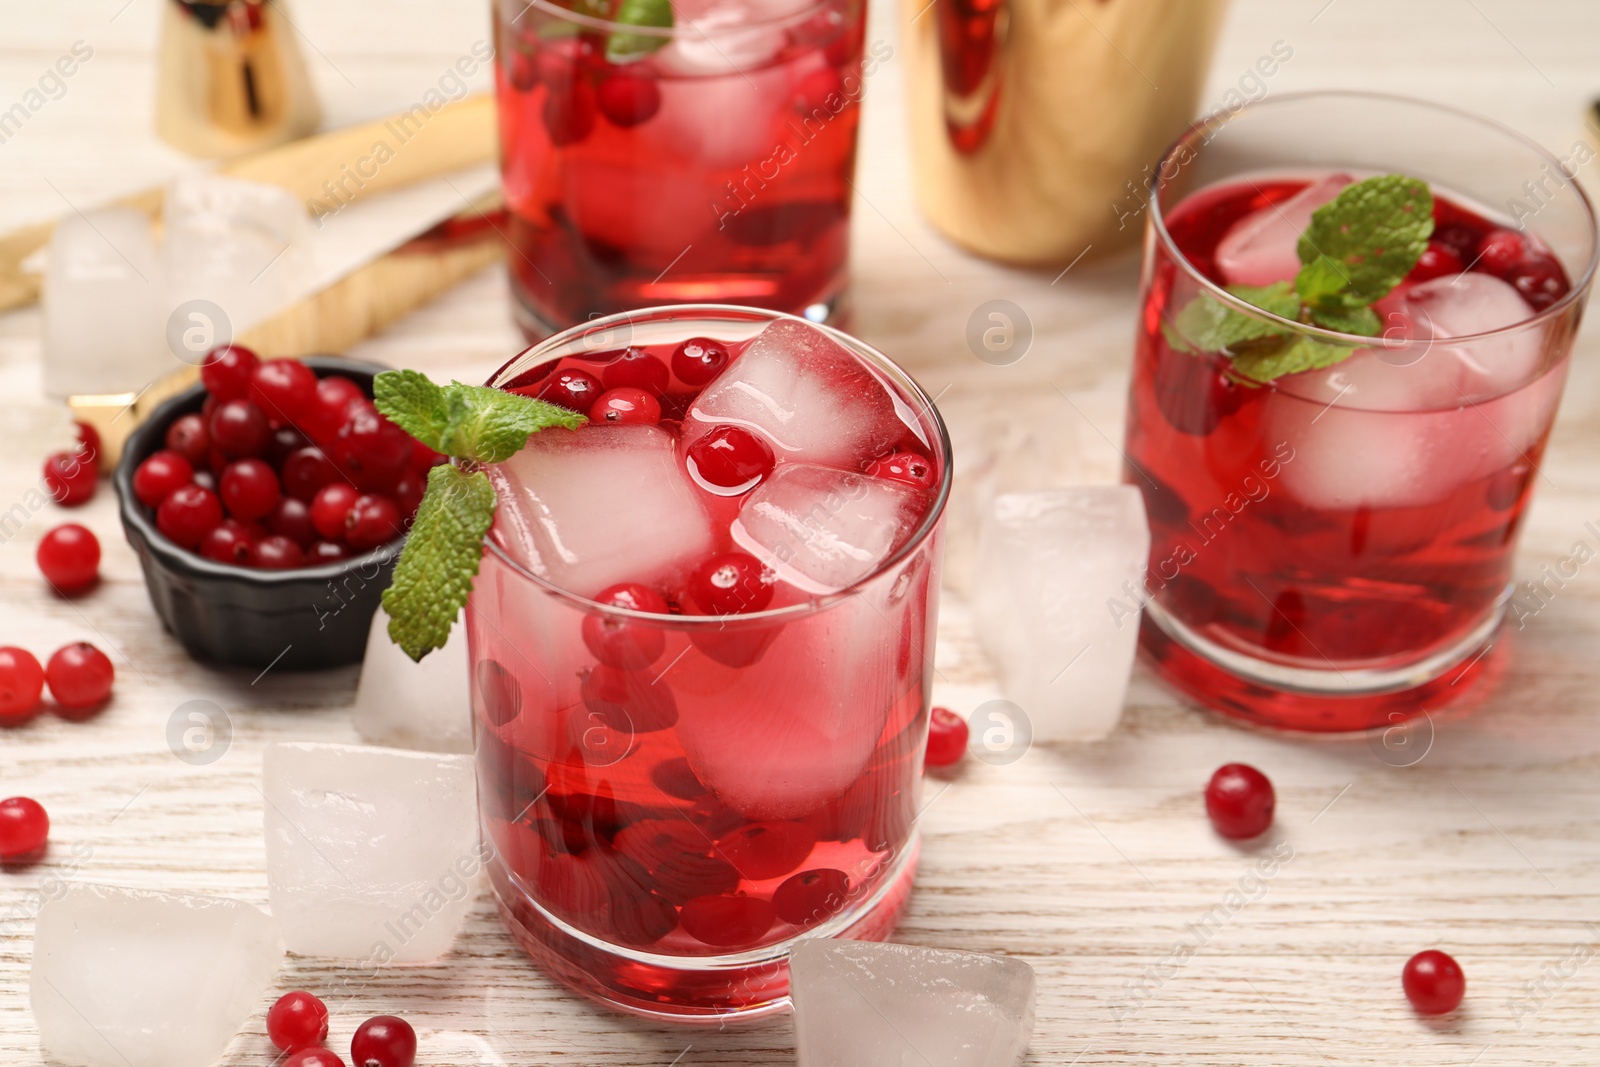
(1093,862)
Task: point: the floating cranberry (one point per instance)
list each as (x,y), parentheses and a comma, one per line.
(314,1056)
(1433,982)
(249,490)
(330,507)
(21,685)
(229,542)
(69,558)
(641,919)
(1501,252)
(811,897)
(628,701)
(626,406)
(188,513)
(728,460)
(638,369)
(372,520)
(573,389)
(188,437)
(618,642)
(522,71)
(159,475)
(1239,801)
(1193,392)
(677,779)
(227,371)
(1540,280)
(285,389)
(947,738)
(276,552)
(821,90)
(71,478)
(678,857)
(761,850)
(307,470)
(239,430)
(292,519)
(24,827)
(384,1041)
(79,676)
(731,584)
(907,467)
(297,1020)
(1460,239)
(569,113)
(699,360)
(628,99)
(1437,260)
(727,921)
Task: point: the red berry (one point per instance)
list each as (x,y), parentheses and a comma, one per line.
(947,738)
(285,389)
(334,395)
(206,480)
(24,826)
(159,475)
(372,520)
(907,467)
(731,584)
(79,675)
(699,360)
(618,642)
(407,495)
(292,519)
(569,112)
(226,372)
(297,1020)
(1501,253)
(188,514)
(727,922)
(728,460)
(384,1041)
(229,542)
(815,89)
(626,406)
(307,470)
(628,99)
(329,508)
(88,441)
(423,458)
(368,448)
(1436,261)
(1239,801)
(638,369)
(249,490)
(1194,392)
(573,389)
(71,478)
(239,430)
(21,685)
(1540,280)
(761,850)
(1460,239)
(314,1056)
(522,72)
(326,552)
(276,552)
(810,897)
(69,558)
(189,437)
(1433,982)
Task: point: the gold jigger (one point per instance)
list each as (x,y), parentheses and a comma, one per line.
(232,79)
(1033,121)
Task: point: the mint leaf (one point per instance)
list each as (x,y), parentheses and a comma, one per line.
(623,47)
(440,559)
(490,426)
(1375,230)
(1299,354)
(1320,279)
(1354,319)
(1212,327)
(415,404)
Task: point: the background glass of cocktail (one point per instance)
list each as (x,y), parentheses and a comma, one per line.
(674,799)
(708,162)
(1332,550)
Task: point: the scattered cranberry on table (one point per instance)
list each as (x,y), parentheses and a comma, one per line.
(297,1020)
(24,827)
(947,738)
(71,478)
(1240,801)
(21,685)
(384,1041)
(79,676)
(314,1056)
(69,558)
(1433,982)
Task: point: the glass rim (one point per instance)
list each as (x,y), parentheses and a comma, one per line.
(1578,291)
(680,28)
(705,312)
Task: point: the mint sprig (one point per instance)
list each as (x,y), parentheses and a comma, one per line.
(467,422)
(1357,248)
(624,47)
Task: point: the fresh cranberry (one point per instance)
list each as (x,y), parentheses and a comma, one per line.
(276,552)
(729,460)
(285,440)
(250,490)
(677,779)
(1433,982)
(731,584)
(217,461)
(569,113)
(1540,280)
(285,389)
(628,99)
(229,542)
(1239,801)
(24,827)
(1436,261)
(573,389)
(947,738)
(227,371)
(69,558)
(70,478)
(699,360)
(1501,253)
(626,701)
(372,520)
(159,475)
(626,406)
(423,458)
(816,89)
(678,857)
(206,480)
(369,448)
(21,685)
(329,508)
(188,437)
(642,919)
(326,552)
(727,921)
(638,369)
(292,519)
(1193,392)
(88,441)
(297,1020)
(618,642)
(307,470)
(384,1041)
(761,850)
(522,71)
(314,1056)
(810,897)
(188,513)
(407,495)
(239,430)
(1460,239)
(79,676)
(334,395)
(907,467)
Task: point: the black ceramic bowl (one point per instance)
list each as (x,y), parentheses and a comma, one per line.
(302,619)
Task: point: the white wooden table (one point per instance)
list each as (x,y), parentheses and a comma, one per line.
(1090,862)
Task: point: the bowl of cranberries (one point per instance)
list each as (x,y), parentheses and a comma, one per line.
(267,506)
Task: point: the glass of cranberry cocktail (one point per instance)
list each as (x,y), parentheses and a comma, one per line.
(708,160)
(1336,464)
(701,645)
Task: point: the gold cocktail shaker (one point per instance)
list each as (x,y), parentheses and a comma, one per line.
(1033,121)
(232,79)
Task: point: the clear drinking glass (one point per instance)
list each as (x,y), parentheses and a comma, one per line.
(674,799)
(1332,550)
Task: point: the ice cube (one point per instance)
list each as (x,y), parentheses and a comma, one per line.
(726,37)
(372,853)
(813,401)
(590,508)
(102,286)
(1263,247)
(1057,602)
(135,978)
(822,529)
(860,1004)
(406,704)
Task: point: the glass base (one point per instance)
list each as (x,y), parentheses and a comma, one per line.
(535,327)
(705,990)
(1319,701)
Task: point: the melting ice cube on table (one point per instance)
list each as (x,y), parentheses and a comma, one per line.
(860,1004)
(372,853)
(1263,247)
(407,704)
(135,978)
(102,333)
(1057,599)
